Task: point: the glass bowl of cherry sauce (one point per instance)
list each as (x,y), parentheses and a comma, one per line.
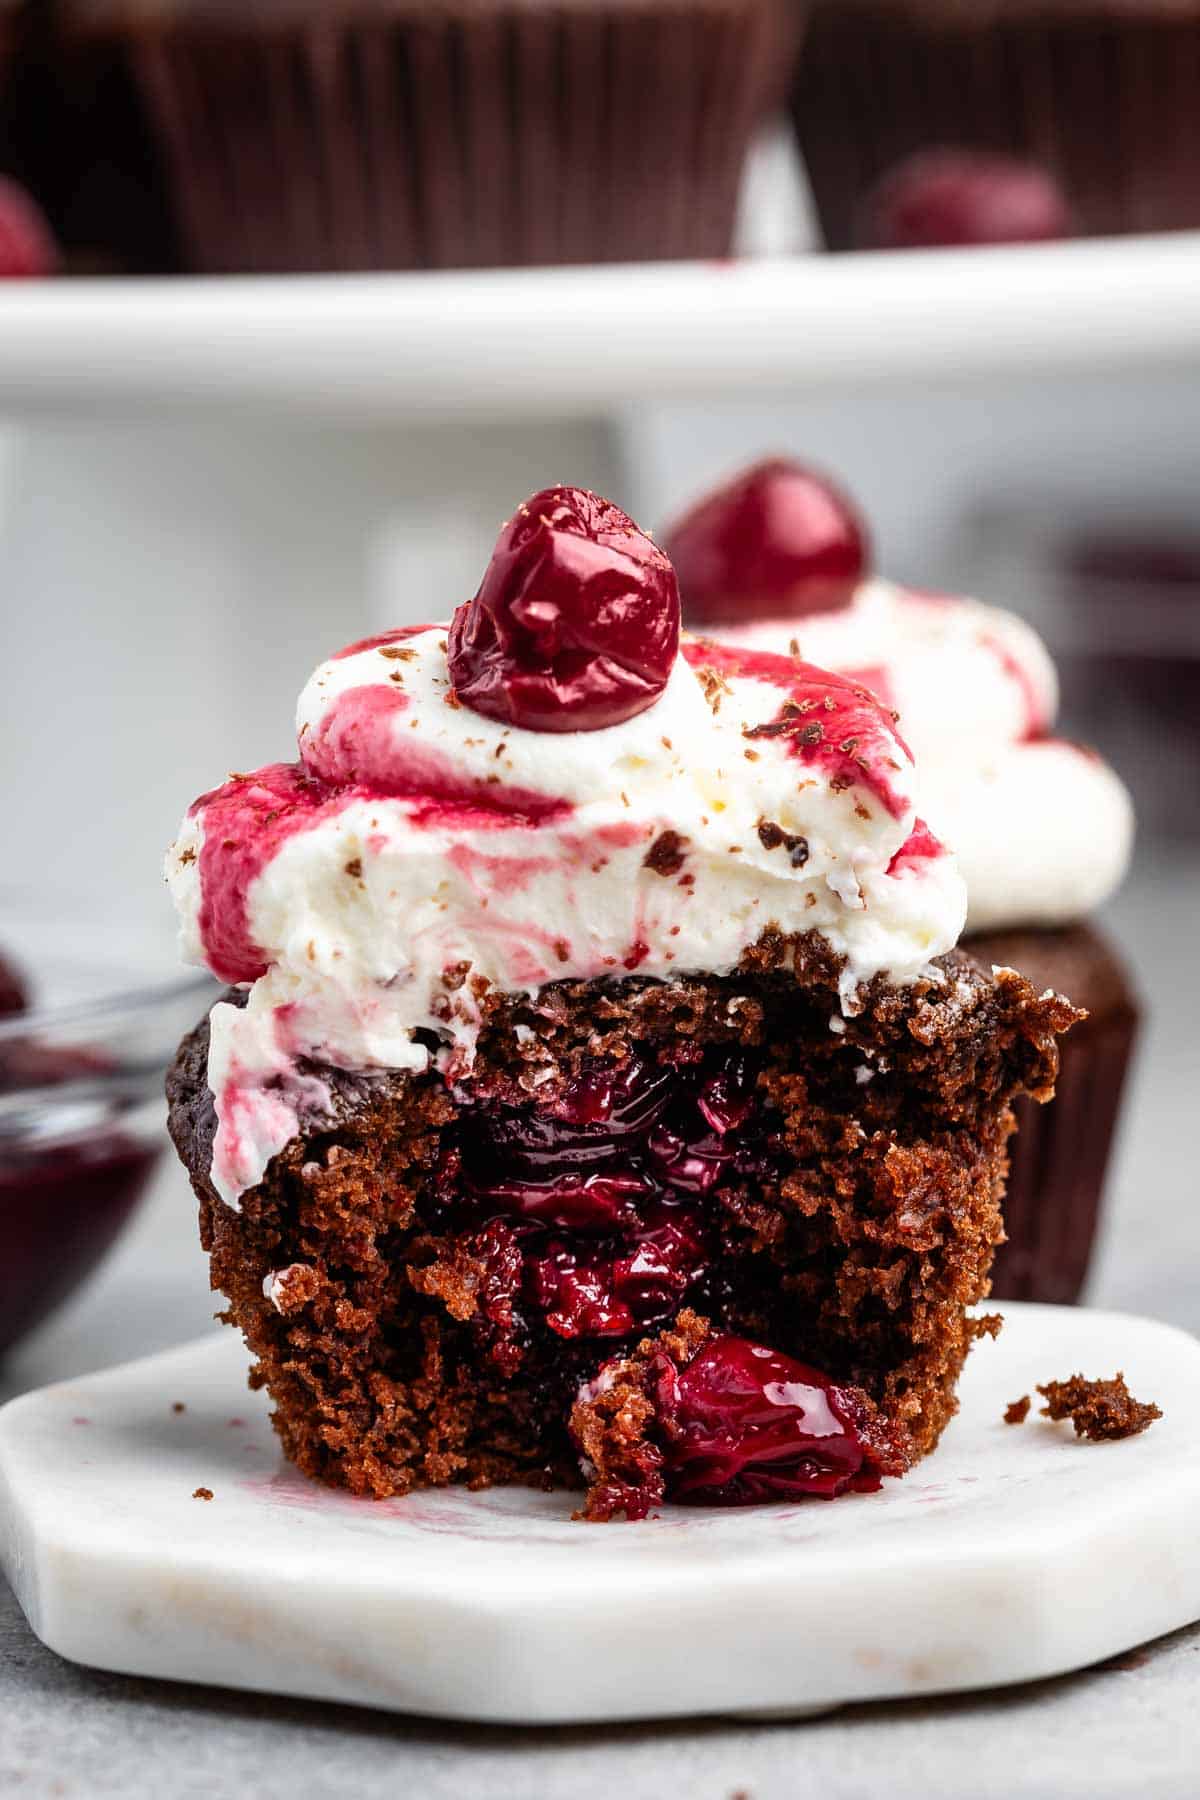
(82,1126)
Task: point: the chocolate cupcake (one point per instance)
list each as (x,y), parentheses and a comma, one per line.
(1042,827)
(578,1117)
(23,92)
(1101,93)
(95,157)
(449,133)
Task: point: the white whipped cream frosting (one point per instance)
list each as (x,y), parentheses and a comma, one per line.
(434,850)
(1042,828)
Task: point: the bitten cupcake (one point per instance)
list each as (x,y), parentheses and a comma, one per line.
(778,559)
(1095,91)
(450,133)
(601,1100)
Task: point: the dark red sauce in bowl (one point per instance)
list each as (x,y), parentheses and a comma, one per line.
(81,1130)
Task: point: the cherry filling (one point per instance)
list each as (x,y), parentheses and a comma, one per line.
(585,1294)
(741,1424)
(597,1216)
(732,1423)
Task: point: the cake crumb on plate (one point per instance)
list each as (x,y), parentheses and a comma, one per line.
(1098,1409)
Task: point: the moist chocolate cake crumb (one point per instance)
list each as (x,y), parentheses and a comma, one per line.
(613,1425)
(203,1494)
(1017,1411)
(411,1334)
(1098,1409)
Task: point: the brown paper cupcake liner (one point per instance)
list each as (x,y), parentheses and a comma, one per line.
(1059,1160)
(1106,100)
(440,139)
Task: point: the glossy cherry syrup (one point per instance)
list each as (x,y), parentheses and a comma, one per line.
(576,623)
(777,542)
(742,1424)
(602,1197)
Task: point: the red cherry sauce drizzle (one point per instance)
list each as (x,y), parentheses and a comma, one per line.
(827,721)
(353,754)
(383,640)
(1037,718)
(875,677)
(246,822)
(919,847)
(603,1199)
(357,745)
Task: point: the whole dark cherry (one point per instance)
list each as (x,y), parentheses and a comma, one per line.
(742,1423)
(779,541)
(942,198)
(576,622)
(27,246)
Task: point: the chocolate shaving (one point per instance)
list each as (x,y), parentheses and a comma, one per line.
(714,685)
(667,854)
(771,836)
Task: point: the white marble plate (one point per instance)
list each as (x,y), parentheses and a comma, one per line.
(1012,1553)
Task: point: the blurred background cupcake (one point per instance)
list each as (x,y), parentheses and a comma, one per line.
(1101,94)
(779,558)
(444,133)
(93,159)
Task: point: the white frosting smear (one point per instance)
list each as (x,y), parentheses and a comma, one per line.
(421,856)
(1042,828)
